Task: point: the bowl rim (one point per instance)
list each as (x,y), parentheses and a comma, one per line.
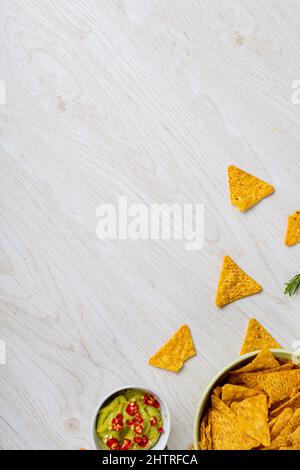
(280,353)
(161,444)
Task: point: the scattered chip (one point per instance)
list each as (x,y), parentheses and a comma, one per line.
(175,352)
(245,189)
(293,229)
(264,360)
(258,338)
(234,283)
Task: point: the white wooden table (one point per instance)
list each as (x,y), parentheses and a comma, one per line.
(151,100)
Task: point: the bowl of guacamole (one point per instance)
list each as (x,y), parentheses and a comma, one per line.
(131,418)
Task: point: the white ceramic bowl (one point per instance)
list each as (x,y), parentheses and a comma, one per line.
(162,441)
(220,377)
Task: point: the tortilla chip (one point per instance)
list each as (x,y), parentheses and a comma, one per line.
(250,378)
(284,438)
(252,414)
(234,284)
(258,338)
(232,393)
(295,438)
(217,391)
(175,352)
(279,423)
(293,402)
(246,190)
(292,236)
(287,448)
(226,433)
(279,385)
(203,439)
(264,360)
(205,433)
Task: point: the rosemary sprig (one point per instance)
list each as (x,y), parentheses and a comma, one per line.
(292,286)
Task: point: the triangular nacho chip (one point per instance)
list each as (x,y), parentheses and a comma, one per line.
(234,283)
(250,379)
(252,414)
(232,393)
(284,438)
(278,424)
(279,385)
(263,361)
(205,433)
(226,431)
(258,338)
(246,190)
(292,236)
(295,438)
(293,402)
(226,434)
(175,352)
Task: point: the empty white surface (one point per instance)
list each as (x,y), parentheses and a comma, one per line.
(152,100)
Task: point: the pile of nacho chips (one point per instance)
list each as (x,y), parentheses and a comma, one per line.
(257,408)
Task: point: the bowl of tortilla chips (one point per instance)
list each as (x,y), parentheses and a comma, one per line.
(253,403)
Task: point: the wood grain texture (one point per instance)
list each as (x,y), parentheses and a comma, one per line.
(150,99)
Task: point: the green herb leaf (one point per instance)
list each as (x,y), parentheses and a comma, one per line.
(292,286)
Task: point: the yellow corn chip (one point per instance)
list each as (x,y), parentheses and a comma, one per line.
(205,433)
(287,448)
(234,284)
(263,361)
(175,352)
(293,229)
(279,423)
(258,338)
(284,438)
(225,429)
(217,391)
(250,379)
(293,402)
(231,393)
(226,434)
(246,190)
(279,385)
(252,414)
(295,438)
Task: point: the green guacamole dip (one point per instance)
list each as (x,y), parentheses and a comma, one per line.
(131,420)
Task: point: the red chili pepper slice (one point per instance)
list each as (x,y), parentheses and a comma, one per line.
(119,418)
(153,421)
(132,408)
(138,418)
(112,443)
(160,430)
(138,429)
(156,404)
(141,441)
(117,422)
(126,444)
(149,399)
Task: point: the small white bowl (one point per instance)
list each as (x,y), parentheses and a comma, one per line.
(162,441)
